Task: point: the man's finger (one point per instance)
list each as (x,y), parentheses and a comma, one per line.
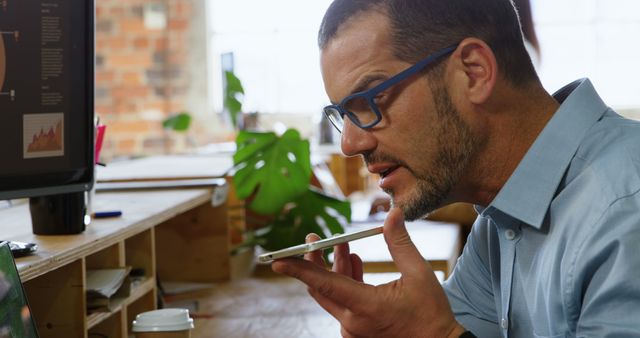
(333,308)
(314,256)
(403,252)
(338,288)
(357,268)
(345,333)
(342,259)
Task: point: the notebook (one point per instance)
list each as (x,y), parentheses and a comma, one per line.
(15,315)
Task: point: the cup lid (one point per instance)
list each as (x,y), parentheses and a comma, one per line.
(163,320)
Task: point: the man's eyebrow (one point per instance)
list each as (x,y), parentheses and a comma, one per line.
(363,84)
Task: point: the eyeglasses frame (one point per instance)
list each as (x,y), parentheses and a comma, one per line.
(370,94)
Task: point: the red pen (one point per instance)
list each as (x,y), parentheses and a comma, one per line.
(100,130)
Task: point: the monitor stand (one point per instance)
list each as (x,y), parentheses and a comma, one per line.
(61,214)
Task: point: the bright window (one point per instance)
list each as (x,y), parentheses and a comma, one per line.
(597,39)
(276,54)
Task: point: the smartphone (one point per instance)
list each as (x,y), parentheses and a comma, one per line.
(301,249)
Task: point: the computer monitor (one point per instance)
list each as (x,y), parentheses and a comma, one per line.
(46,107)
(15,314)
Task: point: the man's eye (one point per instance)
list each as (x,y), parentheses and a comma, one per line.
(380,99)
(357,105)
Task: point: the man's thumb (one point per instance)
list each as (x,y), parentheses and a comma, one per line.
(404,253)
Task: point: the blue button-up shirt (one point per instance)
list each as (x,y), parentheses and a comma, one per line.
(557,252)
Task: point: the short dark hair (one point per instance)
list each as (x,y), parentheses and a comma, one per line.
(420,27)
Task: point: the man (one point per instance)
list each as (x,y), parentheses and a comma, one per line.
(555,179)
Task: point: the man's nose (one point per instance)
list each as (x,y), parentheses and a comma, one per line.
(356,140)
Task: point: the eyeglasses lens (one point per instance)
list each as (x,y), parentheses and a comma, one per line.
(334,117)
(360,111)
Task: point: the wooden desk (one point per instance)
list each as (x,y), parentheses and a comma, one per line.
(281,307)
(267,307)
(262,307)
(175,234)
(277,306)
(167,167)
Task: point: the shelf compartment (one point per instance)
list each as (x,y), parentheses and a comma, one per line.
(110,326)
(119,303)
(57,301)
(140,253)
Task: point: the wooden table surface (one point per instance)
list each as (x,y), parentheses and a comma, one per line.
(262,307)
(166,167)
(267,307)
(140,211)
(277,306)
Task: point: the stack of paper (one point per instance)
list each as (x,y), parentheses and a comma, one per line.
(105,284)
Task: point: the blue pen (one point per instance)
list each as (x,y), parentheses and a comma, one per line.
(107,214)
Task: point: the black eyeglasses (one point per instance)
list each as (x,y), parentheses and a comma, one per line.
(361,108)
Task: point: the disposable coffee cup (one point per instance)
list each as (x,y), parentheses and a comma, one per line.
(164,323)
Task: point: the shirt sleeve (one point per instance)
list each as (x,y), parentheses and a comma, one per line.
(469,288)
(605,279)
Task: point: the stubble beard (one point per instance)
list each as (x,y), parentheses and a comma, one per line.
(456,146)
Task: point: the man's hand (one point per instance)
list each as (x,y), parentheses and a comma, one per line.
(413,306)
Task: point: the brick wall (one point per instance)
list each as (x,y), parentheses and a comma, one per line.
(144,73)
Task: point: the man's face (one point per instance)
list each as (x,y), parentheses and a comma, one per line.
(421,147)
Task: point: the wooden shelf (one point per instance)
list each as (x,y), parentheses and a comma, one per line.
(144,238)
(95,318)
(137,292)
(142,289)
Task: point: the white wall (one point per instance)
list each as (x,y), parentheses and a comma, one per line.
(591,38)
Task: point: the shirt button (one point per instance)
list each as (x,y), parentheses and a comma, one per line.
(504,323)
(510,234)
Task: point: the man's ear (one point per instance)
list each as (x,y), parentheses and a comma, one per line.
(477,69)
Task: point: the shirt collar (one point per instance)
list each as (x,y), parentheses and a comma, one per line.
(529,190)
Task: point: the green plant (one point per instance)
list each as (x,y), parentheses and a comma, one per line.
(179,122)
(273,173)
(233,88)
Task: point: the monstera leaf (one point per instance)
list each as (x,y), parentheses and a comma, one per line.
(311,212)
(275,169)
(231,102)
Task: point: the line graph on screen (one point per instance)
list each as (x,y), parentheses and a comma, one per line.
(43,135)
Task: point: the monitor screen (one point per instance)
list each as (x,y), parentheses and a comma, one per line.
(46,97)
(15,315)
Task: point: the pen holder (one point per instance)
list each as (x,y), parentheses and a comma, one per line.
(58,214)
